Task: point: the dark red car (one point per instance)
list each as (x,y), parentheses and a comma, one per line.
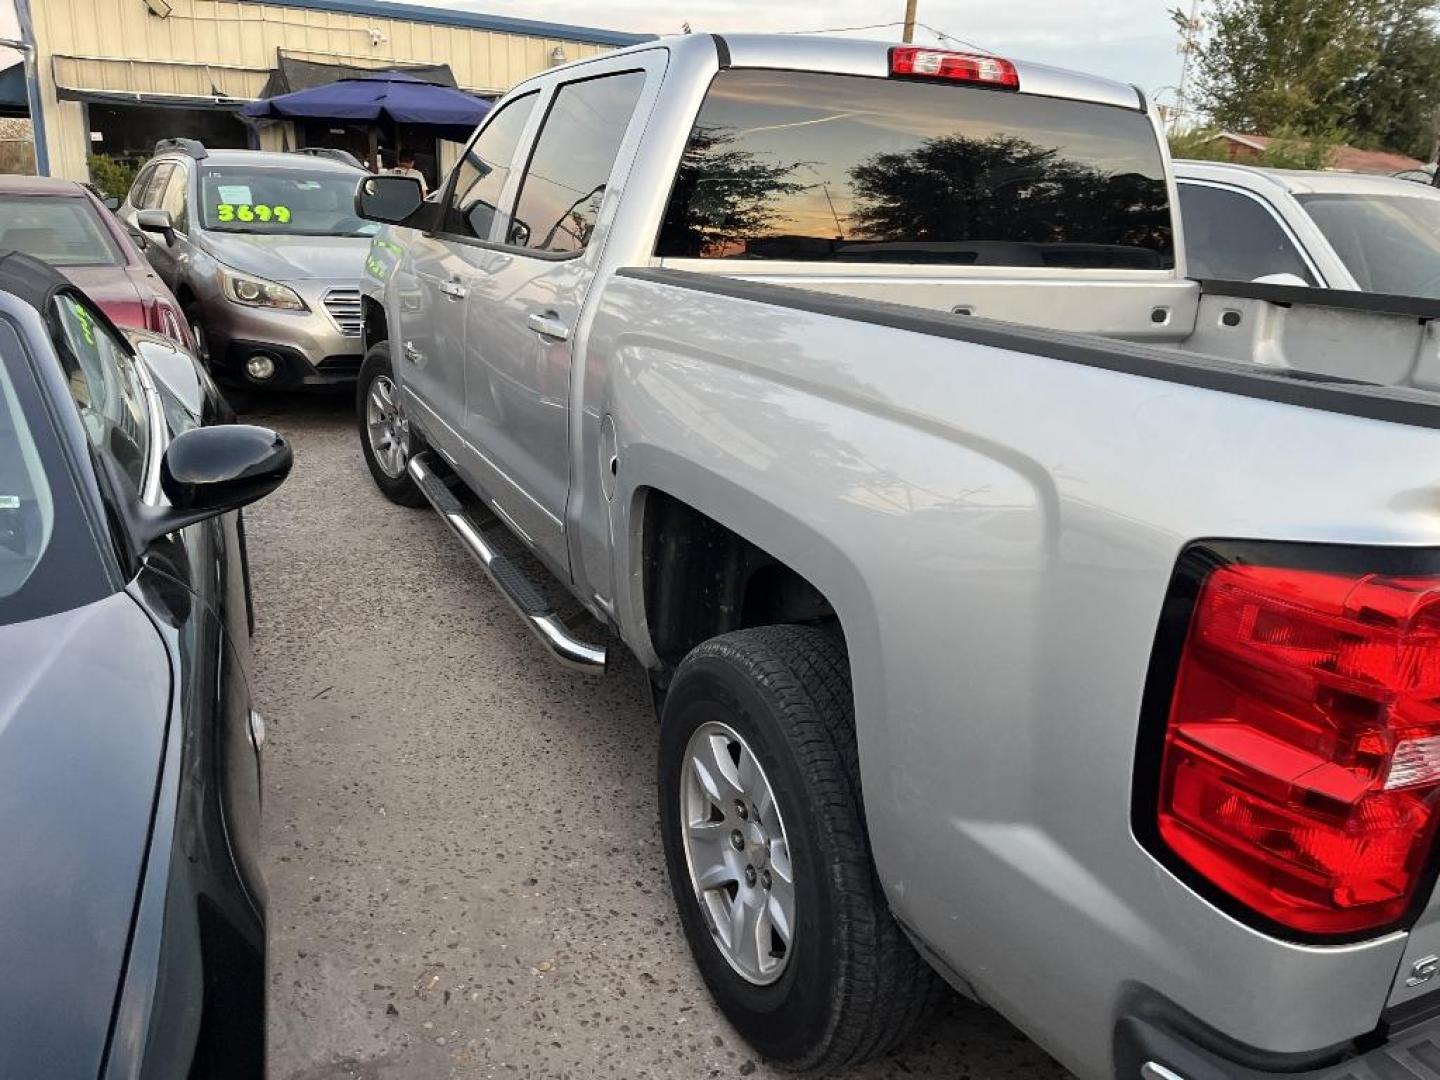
(66,225)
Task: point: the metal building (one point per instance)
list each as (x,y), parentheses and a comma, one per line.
(115,75)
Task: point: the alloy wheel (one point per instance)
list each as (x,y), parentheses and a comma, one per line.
(737,853)
(387,428)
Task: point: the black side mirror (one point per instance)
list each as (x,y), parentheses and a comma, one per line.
(210,471)
(519,234)
(111,203)
(388,199)
(157,221)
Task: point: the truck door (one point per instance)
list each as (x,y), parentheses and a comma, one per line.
(528,290)
(431,297)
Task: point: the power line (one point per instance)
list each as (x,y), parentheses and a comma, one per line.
(941,34)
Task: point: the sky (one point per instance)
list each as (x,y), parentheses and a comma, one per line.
(9,28)
(1130,40)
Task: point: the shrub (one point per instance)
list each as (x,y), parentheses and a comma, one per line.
(111,176)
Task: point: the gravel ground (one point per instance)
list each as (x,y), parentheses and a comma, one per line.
(464,867)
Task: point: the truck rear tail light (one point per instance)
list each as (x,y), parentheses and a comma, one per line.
(1300,769)
(911,62)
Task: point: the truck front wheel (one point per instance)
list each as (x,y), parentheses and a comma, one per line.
(386,438)
(766,848)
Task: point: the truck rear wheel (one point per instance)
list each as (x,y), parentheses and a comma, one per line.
(766,848)
(386,438)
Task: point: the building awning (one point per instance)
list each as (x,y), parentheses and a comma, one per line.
(14,101)
(292,73)
(112,80)
(159,82)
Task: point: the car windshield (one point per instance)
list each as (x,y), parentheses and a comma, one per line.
(1390,243)
(281,201)
(62,231)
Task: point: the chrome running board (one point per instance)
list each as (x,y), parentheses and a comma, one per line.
(527,600)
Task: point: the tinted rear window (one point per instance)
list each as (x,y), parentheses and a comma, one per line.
(810,166)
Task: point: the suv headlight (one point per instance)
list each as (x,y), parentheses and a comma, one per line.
(257,292)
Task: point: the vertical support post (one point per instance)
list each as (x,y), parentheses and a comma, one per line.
(32,87)
(910,6)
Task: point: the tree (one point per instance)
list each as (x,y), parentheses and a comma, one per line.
(722,194)
(1362,71)
(1396,100)
(958,189)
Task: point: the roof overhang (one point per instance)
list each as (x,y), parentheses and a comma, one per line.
(473,20)
(172,82)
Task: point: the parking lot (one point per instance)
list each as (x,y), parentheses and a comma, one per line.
(464,868)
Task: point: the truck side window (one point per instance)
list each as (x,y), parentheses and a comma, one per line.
(565,182)
(1232,237)
(485,168)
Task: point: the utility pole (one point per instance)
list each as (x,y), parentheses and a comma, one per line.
(1189,44)
(26,46)
(910,21)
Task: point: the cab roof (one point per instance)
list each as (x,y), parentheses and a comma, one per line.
(1302,181)
(851,56)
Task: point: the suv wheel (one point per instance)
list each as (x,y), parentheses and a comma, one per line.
(196,323)
(386,438)
(766,847)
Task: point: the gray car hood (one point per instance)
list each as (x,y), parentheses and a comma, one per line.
(84,697)
(290,258)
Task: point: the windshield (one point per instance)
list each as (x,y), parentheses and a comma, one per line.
(281,200)
(841,168)
(1390,243)
(48,559)
(61,231)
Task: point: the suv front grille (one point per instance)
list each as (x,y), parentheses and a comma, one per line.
(344,307)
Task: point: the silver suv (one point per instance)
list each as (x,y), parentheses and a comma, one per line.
(264,253)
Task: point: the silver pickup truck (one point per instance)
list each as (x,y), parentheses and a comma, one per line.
(1016,608)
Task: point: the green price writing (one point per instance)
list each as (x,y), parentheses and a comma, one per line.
(86,321)
(252,212)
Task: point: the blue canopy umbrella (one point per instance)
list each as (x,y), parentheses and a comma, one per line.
(385,96)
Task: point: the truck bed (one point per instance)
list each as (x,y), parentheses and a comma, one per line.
(996,511)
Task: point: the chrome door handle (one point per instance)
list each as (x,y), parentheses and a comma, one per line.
(413,354)
(453,289)
(548,326)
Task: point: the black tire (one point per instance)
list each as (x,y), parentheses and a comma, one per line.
(853,986)
(195,319)
(237,397)
(401,490)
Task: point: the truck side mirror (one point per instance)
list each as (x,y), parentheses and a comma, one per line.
(391,200)
(157,221)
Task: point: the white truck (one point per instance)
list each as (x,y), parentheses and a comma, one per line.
(1337,230)
(1016,608)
